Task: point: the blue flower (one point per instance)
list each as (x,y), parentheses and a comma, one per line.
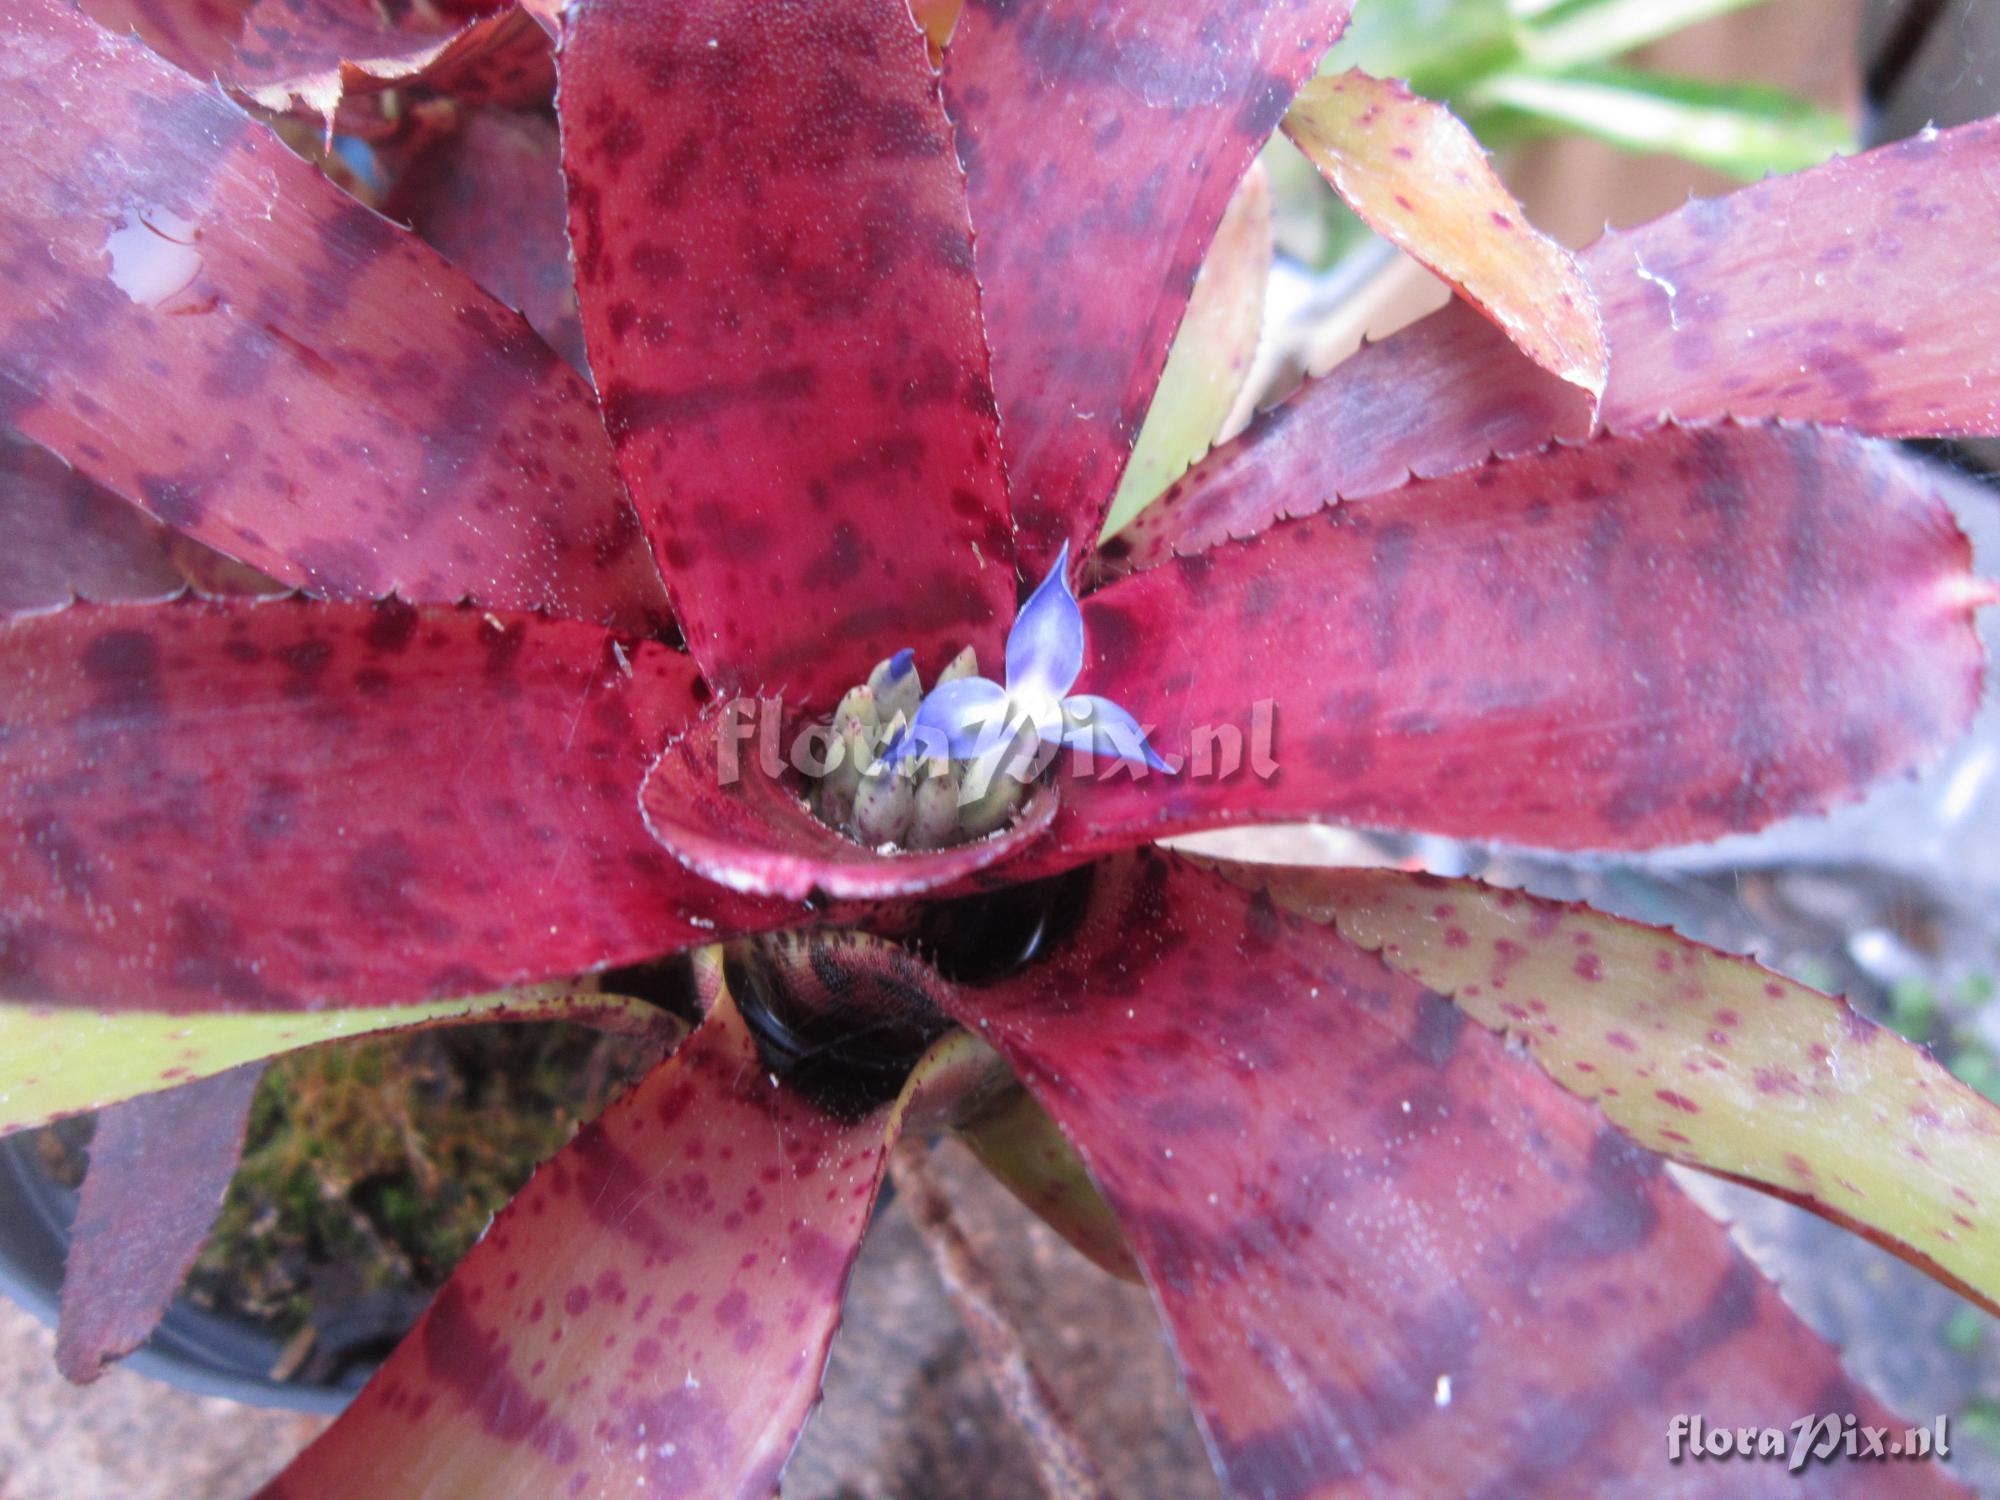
(972,717)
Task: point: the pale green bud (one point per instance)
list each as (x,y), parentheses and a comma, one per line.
(897,686)
(963,665)
(884,806)
(987,794)
(934,824)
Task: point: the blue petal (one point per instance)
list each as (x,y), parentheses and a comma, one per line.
(1045,647)
(958,718)
(1106,730)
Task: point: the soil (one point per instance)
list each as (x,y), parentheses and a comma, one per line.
(371,1166)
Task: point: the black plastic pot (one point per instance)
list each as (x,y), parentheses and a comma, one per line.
(206,1353)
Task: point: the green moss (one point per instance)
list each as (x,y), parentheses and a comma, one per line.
(370,1167)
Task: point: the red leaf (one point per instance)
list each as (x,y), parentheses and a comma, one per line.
(504,60)
(1855,293)
(159,1166)
(1101,147)
(1439,397)
(1410,168)
(649,1317)
(63,536)
(776,275)
(489,196)
(197,36)
(205,324)
(286,805)
(310,54)
(1701,1056)
(1640,641)
(720,800)
(1395,1259)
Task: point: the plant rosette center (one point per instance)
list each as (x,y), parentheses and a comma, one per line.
(908,769)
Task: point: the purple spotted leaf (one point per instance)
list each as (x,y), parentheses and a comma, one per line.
(1442,396)
(500,58)
(1101,146)
(650,1317)
(725,800)
(775,267)
(1698,1055)
(312,56)
(447,800)
(1382,1243)
(63,536)
(1855,293)
(197,36)
(1416,175)
(489,197)
(1637,641)
(158,1168)
(202,322)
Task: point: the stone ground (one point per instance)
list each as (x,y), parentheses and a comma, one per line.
(908,1414)
(126,1436)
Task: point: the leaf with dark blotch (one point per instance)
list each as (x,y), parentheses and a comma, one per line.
(776,274)
(288,805)
(196,36)
(57,1061)
(1639,641)
(1394,1258)
(1100,148)
(313,55)
(202,322)
(64,536)
(1416,175)
(1442,396)
(504,59)
(158,1168)
(489,196)
(1698,1055)
(725,800)
(650,1317)
(1856,293)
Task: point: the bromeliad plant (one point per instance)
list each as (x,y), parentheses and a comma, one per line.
(873,318)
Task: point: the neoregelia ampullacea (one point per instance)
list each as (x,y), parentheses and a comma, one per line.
(873,318)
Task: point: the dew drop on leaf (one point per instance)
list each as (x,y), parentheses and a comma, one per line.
(153,258)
